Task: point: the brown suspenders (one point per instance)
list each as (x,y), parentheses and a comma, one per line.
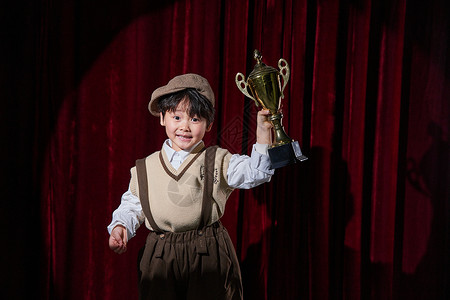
(210,157)
(141,170)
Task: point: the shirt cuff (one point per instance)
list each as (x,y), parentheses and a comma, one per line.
(261,161)
(114,224)
(261,148)
(126,220)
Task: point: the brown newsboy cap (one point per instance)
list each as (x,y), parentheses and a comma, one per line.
(179,83)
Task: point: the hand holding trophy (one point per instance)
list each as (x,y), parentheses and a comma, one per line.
(264,87)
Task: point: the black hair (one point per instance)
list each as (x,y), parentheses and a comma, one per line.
(199,105)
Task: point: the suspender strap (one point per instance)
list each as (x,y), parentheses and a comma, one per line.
(210,157)
(141,170)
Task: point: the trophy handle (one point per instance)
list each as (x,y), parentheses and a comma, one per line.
(242,86)
(284,72)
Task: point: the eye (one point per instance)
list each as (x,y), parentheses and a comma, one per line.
(176,118)
(195,120)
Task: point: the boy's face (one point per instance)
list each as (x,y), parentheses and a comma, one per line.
(182,130)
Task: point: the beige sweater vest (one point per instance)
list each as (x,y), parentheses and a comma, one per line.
(175,196)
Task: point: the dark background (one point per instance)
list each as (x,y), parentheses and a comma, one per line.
(366,217)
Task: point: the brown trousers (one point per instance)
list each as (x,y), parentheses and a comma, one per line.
(171,266)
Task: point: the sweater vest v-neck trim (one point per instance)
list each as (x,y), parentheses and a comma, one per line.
(177,174)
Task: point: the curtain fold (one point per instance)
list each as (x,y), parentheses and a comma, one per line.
(365,217)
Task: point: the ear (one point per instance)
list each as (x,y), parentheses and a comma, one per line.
(208,129)
(161,119)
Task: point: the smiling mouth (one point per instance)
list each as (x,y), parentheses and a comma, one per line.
(185,138)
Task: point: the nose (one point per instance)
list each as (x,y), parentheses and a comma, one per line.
(184,125)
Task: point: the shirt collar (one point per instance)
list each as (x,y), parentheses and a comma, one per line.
(171,153)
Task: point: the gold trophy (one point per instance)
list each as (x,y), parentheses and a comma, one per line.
(264,87)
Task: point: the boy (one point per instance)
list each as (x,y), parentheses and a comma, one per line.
(180,193)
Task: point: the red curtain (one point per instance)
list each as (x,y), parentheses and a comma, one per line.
(366,217)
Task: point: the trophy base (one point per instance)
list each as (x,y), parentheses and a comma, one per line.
(286,154)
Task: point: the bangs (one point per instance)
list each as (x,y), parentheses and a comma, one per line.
(191,101)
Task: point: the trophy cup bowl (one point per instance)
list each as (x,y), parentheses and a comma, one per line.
(265,88)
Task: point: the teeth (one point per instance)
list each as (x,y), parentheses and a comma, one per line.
(184,137)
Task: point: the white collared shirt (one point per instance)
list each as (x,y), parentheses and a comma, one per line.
(244,172)
(176,158)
